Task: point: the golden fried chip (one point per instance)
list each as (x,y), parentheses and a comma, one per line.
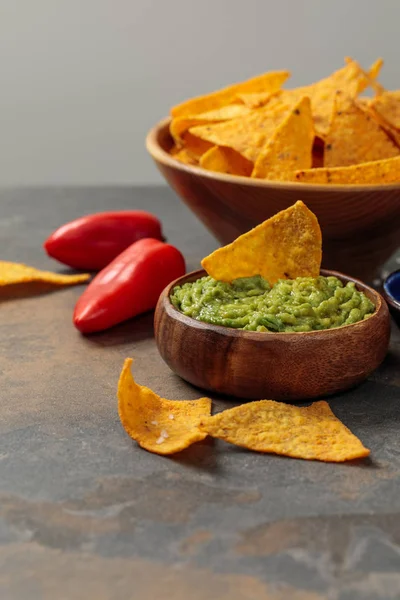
(226,160)
(184,156)
(387,106)
(290,147)
(354,137)
(311,432)
(13,273)
(247,135)
(375,69)
(380,171)
(181,124)
(286,246)
(158,425)
(195,146)
(367,107)
(350,79)
(268,82)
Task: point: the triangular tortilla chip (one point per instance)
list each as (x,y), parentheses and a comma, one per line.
(247,135)
(354,137)
(350,79)
(226,160)
(310,432)
(268,82)
(13,273)
(181,124)
(158,425)
(387,106)
(286,246)
(380,171)
(290,147)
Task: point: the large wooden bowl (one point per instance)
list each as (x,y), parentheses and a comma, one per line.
(360,223)
(277,366)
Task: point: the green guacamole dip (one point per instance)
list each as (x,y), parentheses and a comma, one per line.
(250,303)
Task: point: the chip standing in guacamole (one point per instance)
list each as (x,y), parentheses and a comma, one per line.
(290,305)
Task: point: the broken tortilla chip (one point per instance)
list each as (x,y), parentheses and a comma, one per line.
(14,273)
(286,246)
(226,160)
(290,147)
(311,432)
(247,135)
(158,425)
(354,137)
(268,82)
(380,171)
(181,124)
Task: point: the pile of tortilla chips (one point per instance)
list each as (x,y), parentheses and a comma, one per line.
(325,132)
(168,426)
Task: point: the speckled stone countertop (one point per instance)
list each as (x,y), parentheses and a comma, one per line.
(85,513)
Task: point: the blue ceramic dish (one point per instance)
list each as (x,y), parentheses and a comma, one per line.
(391,292)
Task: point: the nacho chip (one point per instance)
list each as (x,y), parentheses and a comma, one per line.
(349,78)
(387,106)
(354,137)
(13,273)
(380,171)
(290,147)
(286,246)
(226,160)
(375,69)
(184,156)
(181,124)
(268,82)
(158,425)
(311,432)
(247,135)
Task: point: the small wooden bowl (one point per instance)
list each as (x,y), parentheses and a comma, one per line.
(360,223)
(278,366)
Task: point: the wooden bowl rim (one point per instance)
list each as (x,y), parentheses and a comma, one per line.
(390,299)
(258,336)
(158,153)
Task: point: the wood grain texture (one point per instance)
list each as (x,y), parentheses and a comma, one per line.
(360,224)
(278,366)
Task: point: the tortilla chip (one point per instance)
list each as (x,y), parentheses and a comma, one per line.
(380,171)
(311,432)
(158,425)
(13,273)
(286,246)
(375,69)
(354,137)
(247,135)
(268,82)
(387,106)
(290,147)
(181,124)
(184,156)
(226,160)
(349,78)
(255,100)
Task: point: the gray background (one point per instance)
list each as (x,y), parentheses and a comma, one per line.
(83,80)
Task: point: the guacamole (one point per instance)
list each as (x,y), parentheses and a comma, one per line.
(250,303)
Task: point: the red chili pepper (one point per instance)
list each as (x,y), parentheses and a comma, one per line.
(128,286)
(92,242)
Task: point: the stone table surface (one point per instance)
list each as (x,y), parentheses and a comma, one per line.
(85,513)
